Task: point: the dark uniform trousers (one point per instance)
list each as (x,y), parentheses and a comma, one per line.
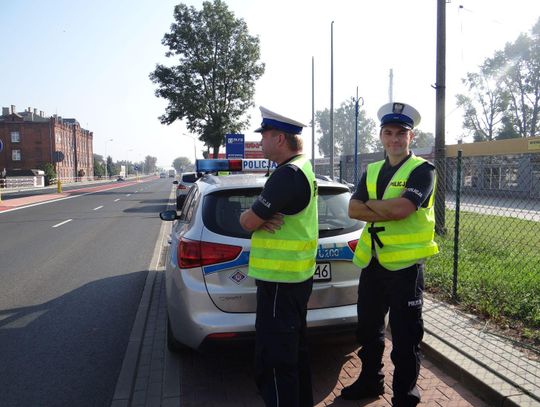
(400,292)
(282,370)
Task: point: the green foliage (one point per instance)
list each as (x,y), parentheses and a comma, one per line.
(181,164)
(495,279)
(99,166)
(422,139)
(213,84)
(111,167)
(150,164)
(484,104)
(503,98)
(344,130)
(50,173)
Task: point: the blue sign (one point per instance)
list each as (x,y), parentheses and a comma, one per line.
(234,146)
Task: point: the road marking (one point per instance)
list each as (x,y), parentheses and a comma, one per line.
(117,199)
(62,223)
(99,207)
(128,195)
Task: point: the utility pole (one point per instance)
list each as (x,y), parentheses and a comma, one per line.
(332,100)
(313,113)
(440,144)
(391,86)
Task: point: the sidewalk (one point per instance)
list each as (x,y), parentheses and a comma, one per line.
(463,366)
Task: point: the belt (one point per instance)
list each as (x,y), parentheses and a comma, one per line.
(374,237)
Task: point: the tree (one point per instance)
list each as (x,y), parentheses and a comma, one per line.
(344,130)
(520,62)
(150,164)
(422,139)
(213,84)
(484,104)
(181,164)
(50,174)
(503,99)
(99,166)
(111,167)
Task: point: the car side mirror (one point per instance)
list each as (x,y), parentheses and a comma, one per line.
(175,182)
(191,178)
(168,216)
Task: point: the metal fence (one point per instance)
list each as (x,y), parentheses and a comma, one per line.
(488,224)
(489,239)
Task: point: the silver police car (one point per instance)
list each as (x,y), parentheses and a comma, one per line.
(210,297)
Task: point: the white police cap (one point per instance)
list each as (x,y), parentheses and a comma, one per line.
(276,121)
(399,113)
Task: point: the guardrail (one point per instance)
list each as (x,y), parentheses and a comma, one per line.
(21,182)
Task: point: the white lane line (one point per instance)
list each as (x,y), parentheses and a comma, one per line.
(117,199)
(99,207)
(128,195)
(62,223)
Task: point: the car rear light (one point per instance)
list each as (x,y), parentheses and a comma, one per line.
(194,253)
(352,244)
(181,186)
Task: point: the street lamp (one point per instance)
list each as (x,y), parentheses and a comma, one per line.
(106,163)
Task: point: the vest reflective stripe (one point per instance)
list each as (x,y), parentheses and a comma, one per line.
(284,244)
(288,255)
(405,241)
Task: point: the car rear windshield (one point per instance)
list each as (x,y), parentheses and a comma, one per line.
(221,212)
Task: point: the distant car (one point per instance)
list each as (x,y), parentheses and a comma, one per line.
(172,173)
(182,187)
(209,295)
(120,179)
(162,175)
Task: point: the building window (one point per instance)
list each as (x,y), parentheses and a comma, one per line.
(15,137)
(16,155)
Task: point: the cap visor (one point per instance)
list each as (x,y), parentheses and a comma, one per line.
(401,124)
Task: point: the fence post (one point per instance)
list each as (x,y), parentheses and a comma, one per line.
(456,226)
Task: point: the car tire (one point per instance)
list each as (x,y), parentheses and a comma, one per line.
(172,344)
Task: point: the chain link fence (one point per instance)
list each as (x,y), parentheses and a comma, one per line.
(488,232)
(489,239)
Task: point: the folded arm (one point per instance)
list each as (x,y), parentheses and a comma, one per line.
(251,222)
(375,210)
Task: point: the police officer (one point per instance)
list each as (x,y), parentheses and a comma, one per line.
(395,199)
(282,260)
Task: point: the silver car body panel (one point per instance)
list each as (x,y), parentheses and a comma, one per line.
(221,298)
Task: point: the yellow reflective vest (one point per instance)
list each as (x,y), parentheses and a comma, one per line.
(288,255)
(406,241)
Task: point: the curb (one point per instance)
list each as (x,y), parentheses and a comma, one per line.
(126,379)
(472,375)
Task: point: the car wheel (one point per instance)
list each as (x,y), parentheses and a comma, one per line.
(172,344)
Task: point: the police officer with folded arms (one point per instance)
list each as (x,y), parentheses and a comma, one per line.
(395,198)
(282,260)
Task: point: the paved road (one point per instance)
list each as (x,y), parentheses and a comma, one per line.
(72,273)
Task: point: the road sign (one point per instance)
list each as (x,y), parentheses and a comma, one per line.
(234,147)
(58,156)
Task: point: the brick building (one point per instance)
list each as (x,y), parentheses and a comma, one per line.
(31,139)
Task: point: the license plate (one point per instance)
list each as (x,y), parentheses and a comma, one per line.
(323,272)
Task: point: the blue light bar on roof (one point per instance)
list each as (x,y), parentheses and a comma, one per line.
(248,165)
(211,165)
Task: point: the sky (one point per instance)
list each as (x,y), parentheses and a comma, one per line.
(91,61)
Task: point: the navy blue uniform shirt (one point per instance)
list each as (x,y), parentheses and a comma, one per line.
(286,191)
(417,190)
